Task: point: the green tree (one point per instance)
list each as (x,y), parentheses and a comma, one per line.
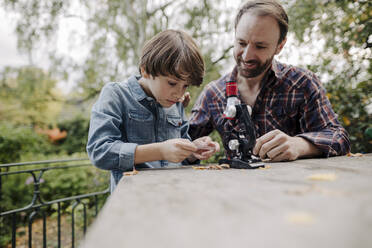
(77,134)
(115,31)
(27,96)
(344,58)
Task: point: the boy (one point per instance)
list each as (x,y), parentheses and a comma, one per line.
(141,123)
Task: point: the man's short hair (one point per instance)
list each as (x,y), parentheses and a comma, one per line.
(266,8)
(173,53)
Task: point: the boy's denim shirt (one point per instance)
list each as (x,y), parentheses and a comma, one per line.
(124,117)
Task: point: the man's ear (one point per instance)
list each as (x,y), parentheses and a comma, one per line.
(144,73)
(280,46)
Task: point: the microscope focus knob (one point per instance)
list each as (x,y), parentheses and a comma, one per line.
(230,111)
(233,144)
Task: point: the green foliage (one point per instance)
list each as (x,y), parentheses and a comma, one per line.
(344,60)
(15,192)
(7,146)
(349,102)
(344,24)
(27,95)
(22,143)
(115,33)
(77,134)
(18,141)
(73,181)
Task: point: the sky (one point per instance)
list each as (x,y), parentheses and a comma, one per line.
(8,43)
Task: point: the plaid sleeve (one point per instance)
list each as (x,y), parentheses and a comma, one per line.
(319,123)
(200,119)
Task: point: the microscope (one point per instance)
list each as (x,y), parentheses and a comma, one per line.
(242,139)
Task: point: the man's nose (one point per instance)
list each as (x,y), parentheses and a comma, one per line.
(247,53)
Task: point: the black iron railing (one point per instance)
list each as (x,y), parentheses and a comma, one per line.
(39,208)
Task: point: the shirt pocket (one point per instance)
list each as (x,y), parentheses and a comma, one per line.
(282,118)
(140,127)
(174,124)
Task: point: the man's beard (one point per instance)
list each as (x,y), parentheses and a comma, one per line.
(251,73)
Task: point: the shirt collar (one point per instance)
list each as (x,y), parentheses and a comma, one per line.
(278,69)
(136,89)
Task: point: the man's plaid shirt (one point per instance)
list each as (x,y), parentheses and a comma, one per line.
(291,100)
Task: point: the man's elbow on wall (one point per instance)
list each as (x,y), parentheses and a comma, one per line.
(344,141)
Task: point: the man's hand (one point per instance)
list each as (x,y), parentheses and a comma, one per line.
(279,146)
(185,99)
(206,147)
(177,150)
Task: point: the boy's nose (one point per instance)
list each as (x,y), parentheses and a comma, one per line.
(178,94)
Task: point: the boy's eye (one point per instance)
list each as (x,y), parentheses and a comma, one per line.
(185,86)
(261,47)
(172,83)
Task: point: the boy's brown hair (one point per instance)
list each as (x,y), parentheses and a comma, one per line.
(173,53)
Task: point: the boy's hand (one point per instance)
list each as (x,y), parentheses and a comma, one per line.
(206,148)
(177,150)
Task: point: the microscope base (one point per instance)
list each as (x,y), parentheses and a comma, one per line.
(240,164)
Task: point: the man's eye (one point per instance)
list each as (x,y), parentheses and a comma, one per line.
(261,47)
(241,43)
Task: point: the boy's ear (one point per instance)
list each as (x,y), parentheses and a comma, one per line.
(144,73)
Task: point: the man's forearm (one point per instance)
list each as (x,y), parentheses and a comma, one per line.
(332,141)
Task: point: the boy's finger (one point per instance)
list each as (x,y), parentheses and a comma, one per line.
(213,147)
(188,145)
(216,146)
(207,153)
(203,146)
(200,156)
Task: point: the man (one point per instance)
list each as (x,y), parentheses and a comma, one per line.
(291,113)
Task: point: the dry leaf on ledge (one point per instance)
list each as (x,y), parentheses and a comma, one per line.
(323,177)
(300,218)
(212,167)
(265,168)
(130,173)
(354,154)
